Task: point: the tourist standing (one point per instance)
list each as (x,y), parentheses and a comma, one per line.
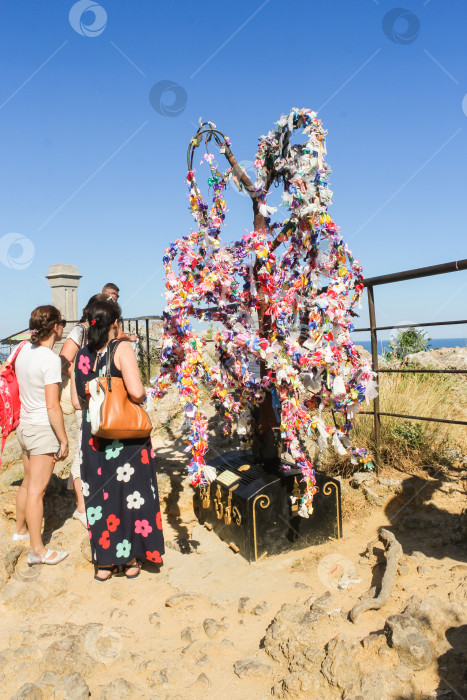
(110,289)
(76,339)
(41,430)
(119,476)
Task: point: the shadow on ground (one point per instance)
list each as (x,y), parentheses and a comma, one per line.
(421,525)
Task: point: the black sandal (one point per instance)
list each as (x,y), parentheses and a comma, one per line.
(136,565)
(114,570)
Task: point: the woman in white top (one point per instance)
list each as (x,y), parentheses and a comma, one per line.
(76,339)
(41,430)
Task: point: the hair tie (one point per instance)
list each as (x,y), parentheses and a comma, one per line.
(93,322)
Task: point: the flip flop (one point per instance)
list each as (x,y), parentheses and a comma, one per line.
(137,565)
(114,570)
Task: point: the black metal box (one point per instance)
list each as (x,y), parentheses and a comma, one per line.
(253,512)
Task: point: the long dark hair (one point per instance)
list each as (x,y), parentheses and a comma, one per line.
(42,322)
(92,300)
(100,316)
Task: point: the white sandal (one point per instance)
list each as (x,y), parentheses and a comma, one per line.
(34,559)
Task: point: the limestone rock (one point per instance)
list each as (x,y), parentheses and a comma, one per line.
(378,685)
(188,635)
(155,619)
(371,496)
(293,685)
(404,673)
(293,631)
(11,557)
(243,604)
(28,692)
(181,599)
(360,478)
(85,549)
(211,627)
(260,609)
(49,683)
(75,687)
(339,666)
(441,358)
(62,630)
(372,640)
(403,634)
(119,688)
(251,667)
(433,615)
(203,681)
(68,654)
(364,354)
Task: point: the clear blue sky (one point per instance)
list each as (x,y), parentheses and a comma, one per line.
(94,176)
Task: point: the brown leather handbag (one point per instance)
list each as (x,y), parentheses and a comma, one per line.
(113,414)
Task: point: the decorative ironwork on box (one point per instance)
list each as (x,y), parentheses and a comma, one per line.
(256,512)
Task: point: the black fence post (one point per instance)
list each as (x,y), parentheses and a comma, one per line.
(148,349)
(374,359)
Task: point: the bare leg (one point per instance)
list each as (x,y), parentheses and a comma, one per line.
(79,495)
(21,499)
(40,471)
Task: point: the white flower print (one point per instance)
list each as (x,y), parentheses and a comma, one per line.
(85,489)
(134,500)
(124,473)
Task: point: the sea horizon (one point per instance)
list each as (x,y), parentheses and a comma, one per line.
(434,343)
(383,344)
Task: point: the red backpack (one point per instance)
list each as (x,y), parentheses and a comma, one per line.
(10,405)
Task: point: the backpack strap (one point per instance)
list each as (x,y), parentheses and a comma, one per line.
(18,350)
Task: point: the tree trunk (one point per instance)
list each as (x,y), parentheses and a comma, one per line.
(266,435)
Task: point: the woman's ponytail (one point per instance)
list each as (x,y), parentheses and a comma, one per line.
(42,322)
(100,317)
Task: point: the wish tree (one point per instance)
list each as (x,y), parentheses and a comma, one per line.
(283,298)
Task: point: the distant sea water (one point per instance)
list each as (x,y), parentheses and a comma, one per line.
(435,343)
(382,344)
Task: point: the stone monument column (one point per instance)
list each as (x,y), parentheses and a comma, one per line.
(64,281)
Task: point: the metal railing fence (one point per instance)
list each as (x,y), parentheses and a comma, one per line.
(372,282)
(133,324)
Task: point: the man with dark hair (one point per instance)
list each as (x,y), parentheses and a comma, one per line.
(113,291)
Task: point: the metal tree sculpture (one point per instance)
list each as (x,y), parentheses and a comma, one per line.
(267,291)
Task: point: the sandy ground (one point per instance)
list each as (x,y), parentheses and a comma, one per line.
(166,645)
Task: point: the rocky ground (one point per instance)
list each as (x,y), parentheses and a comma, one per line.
(208,624)
(441,358)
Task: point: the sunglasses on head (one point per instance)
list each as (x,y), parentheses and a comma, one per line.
(62,323)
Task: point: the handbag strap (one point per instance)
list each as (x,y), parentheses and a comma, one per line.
(109,356)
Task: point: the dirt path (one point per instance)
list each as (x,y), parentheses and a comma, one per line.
(182,629)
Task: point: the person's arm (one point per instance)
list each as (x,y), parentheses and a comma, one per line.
(121,335)
(78,404)
(55,414)
(125,360)
(68,354)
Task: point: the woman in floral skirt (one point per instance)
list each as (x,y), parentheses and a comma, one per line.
(118,476)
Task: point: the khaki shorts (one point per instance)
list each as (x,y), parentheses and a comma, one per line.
(37,439)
